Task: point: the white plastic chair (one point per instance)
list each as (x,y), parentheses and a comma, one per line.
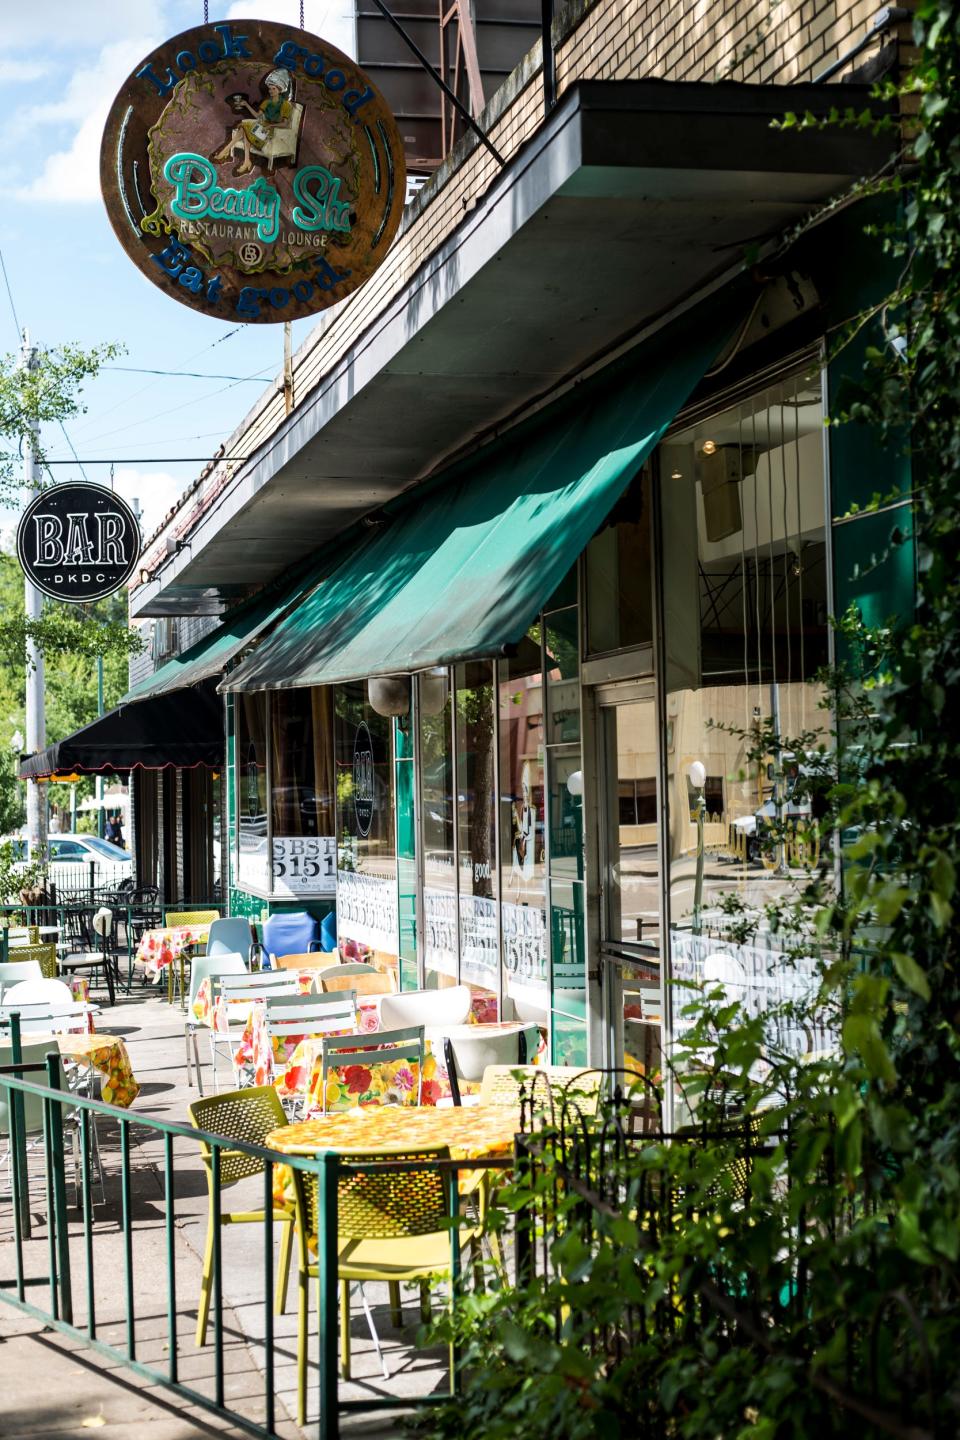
(205,967)
(38,992)
(449,1006)
(470,1049)
(31,1053)
(16,972)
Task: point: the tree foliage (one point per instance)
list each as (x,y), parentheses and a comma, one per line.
(47,393)
(816,1290)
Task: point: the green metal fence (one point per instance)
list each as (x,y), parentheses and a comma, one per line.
(24,1292)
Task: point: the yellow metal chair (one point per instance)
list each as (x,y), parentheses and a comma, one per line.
(391,1226)
(247,1115)
(171,920)
(549,1085)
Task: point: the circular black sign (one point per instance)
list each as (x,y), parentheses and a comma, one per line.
(363,778)
(78,542)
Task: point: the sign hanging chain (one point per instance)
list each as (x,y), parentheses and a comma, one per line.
(301,16)
(206,12)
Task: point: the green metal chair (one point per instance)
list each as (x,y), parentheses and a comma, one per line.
(247,1115)
(391,1226)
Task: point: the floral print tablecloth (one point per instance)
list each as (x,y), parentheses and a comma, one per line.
(158,948)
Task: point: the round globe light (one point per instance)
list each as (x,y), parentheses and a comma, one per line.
(698,774)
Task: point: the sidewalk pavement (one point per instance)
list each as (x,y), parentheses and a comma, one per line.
(53,1386)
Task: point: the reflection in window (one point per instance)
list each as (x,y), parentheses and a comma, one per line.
(745,602)
(367,918)
(522,887)
(476,823)
(301,781)
(253,866)
(618,575)
(436,819)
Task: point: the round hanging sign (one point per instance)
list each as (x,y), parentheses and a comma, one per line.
(363,782)
(78,542)
(252,171)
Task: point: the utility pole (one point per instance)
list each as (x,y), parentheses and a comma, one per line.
(101,818)
(33,604)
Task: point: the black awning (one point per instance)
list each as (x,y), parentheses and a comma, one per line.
(184,729)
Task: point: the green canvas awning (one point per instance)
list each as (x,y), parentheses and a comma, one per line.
(239,627)
(460,568)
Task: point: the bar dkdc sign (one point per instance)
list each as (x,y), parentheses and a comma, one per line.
(78,542)
(252,171)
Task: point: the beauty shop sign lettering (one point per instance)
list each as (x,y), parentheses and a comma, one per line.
(252,171)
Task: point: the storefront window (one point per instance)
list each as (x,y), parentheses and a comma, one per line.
(476,824)
(437,821)
(618,574)
(301,791)
(366,842)
(745,600)
(253,866)
(522,838)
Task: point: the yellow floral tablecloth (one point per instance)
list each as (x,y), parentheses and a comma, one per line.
(478,1132)
(158,948)
(108,1054)
(481,1132)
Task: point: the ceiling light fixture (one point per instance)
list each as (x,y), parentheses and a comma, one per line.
(676,474)
(709,447)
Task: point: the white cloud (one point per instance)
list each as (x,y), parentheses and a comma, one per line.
(331,19)
(156,491)
(22,71)
(62,24)
(73,174)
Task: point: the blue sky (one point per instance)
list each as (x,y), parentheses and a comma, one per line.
(61,64)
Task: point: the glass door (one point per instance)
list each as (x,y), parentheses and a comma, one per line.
(631,880)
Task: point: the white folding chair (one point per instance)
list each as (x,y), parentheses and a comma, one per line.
(238,993)
(310,1016)
(378,1047)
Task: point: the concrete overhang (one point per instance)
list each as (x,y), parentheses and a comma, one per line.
(632,197)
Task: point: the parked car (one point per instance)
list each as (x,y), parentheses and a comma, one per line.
(113,865)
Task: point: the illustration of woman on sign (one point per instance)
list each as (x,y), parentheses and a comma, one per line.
(524,835)
(272,128)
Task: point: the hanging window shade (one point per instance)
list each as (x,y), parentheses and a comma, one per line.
(460,570)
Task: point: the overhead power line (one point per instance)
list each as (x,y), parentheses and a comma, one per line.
(187,374)
(13,307)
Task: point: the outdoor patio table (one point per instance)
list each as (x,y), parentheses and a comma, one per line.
(108,1055)
(158,948)
(483,1132)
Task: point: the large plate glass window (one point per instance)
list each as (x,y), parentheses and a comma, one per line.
(301,791)
(745,600)
(366,841)
(476,835)
(526,991)
(437,828)
(253,860)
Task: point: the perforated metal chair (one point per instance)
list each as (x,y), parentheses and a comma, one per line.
(247,1115)
(391,1226)
(172,920)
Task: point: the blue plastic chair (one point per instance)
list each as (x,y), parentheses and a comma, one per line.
(292,933)
(231,936)
(328,933)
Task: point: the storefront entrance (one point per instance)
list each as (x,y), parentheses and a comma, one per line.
(630,875)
